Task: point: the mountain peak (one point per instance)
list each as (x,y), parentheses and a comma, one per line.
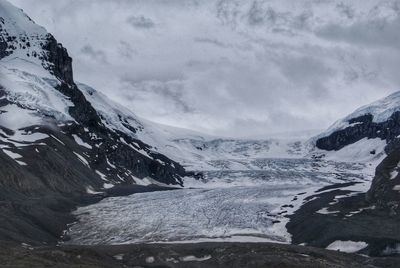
(21,39)
(22,36)
(17,23)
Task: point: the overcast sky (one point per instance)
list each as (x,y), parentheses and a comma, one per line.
(234,68)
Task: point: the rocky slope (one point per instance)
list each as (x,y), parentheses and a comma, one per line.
(187,255)
(342,214)
(57,150)
(377,121)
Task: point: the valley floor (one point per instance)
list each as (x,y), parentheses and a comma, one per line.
(185,255)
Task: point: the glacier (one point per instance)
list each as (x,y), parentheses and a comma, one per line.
(226,205)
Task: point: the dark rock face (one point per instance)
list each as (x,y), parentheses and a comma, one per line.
(57,60)
(3,40)
(363,127)
(3,48)
(35,199)
(82,111)
(351,218)
(385,188)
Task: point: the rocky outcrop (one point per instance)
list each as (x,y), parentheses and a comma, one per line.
(3,48)
(385,188)
(359,128)
(57,60)
(3,40)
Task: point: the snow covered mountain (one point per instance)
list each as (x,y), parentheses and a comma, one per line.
(38,92)
(54,143)
(378,120)
(64,144)
(370,217)
(375,130)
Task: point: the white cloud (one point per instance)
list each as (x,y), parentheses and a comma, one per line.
(231,67)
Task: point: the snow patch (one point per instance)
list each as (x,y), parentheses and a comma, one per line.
(15,156)
(58,140)
(392,250)
(90,190)
(102,176)
(108,185)
(359,151)
(119,257)
(194,258)
(150,259)
(347,246)
(79,141)
(82,159)
(396,188)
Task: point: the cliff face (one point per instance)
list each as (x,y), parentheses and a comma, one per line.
(385,188)
(3,47)
(3,41)
(359,128)
(58,61)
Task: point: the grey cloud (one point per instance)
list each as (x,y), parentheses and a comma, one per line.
(170,94)
(346,10)
(304,70)
(260,14)
(95,55)
(257,15)
(211,41)
(141,22)
(125,50)
(378,33)
(302,20)
(231,67)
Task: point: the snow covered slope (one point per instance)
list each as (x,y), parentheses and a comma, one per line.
(364,134)
(380,110)
(23,37)
(37,89)
(196,151)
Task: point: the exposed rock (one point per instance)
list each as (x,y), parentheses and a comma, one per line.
(361,127)
(3,40)
(349,219)
(385,188)
(57,60)
(3,48)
